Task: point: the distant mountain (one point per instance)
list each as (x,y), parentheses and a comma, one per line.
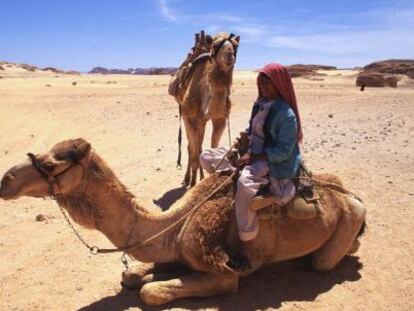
(300,70)
(136,71)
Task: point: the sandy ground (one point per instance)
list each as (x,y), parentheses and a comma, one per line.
(367,138)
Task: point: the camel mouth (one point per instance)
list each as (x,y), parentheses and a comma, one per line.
(7,195)
(5,192)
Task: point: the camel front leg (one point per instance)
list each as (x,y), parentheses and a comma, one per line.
(218,128)
(141,273)
(198,284)
(201,128)
(192,138)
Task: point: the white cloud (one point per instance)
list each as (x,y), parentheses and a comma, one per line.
(387,34)
(251,32)
(166,11)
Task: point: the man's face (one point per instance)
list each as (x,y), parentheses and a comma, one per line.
(266,87)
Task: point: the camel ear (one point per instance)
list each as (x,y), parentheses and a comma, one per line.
(237,39)
(80,150)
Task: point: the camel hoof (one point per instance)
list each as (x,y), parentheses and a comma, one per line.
(154,295)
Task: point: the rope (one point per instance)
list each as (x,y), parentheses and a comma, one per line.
(113,250)
(180,136)
(228,131)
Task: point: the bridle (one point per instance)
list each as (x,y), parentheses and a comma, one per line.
(51,179)
(220,45)
(214,52)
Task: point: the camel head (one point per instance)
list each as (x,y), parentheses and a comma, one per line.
(60,171)
(224,50)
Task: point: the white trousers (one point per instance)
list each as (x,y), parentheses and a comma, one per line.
(252,177)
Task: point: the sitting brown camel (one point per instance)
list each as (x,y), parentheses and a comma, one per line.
(89,191)
(206,95)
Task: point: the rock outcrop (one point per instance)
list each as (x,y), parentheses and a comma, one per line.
(393,66)
(385,73)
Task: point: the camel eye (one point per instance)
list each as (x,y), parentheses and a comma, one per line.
(49,167)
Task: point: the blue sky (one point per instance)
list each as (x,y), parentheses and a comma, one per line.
(81,34)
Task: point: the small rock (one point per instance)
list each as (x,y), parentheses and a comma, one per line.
(159,149)
(40,217)
(330,115)
(158,169)
(148,113)
(79,288)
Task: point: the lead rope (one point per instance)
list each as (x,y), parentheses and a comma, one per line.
(229,132)
(94,250)
(180,136)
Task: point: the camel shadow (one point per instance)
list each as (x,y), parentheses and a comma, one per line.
(170,197)
(267,288)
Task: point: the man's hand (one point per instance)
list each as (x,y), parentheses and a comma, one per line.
(244,160)
(242,144)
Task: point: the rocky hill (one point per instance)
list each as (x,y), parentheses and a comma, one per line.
(385,73)
(300,70)
(393,66)
(10,69)
(136,71)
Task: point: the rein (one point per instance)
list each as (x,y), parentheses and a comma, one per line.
(94,250)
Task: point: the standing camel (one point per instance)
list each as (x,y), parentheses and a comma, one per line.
(205,95)
(89,191)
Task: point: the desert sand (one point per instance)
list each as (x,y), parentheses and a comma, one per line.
(366,138)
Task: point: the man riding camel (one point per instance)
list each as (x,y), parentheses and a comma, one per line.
(273,154)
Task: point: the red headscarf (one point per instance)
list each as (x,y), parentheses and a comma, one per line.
(281,79)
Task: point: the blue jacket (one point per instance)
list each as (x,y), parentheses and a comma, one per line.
(280,145)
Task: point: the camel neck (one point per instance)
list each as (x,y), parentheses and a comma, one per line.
(106,205)
(220,75)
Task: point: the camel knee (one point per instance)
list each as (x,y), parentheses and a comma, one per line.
(218,128)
